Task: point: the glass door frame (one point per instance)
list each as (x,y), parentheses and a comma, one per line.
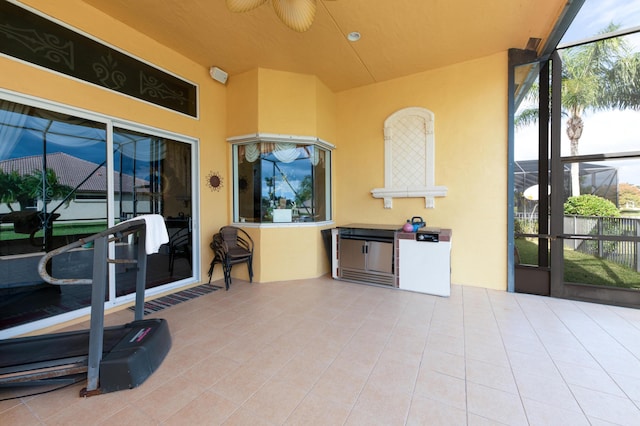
(110,123)
(533,279)
(559,288)
(547,277)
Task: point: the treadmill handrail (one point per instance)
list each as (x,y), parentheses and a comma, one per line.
(99,286)
(119,231)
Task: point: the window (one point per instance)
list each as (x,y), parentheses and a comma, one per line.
(281,179)
(57,185)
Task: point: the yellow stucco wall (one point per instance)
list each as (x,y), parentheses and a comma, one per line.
(242,104)
(469,101)
(209,128)
(270,101)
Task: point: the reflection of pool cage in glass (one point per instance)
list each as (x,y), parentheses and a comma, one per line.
(596,179)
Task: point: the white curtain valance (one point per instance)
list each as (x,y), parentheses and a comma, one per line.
(285,152)
(251,152)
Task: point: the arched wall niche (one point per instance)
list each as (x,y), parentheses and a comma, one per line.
(409,158)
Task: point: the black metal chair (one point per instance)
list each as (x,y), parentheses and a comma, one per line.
(179,247)
(231,245)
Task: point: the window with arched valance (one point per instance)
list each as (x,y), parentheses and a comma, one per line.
(281,178)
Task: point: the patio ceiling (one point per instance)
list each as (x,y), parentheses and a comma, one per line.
(399,37)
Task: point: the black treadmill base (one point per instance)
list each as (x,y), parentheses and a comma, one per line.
(131,353)
(136,356)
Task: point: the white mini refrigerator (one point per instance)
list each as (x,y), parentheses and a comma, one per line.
(424,261)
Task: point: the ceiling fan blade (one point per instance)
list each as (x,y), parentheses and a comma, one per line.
(244,5)
(296,14)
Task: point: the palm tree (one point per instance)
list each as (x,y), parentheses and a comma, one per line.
(597,76)
(28,188)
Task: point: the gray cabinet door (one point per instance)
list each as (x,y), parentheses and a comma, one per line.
(352,254)
(380,257)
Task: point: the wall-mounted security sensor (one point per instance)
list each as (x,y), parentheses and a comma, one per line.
(218,75)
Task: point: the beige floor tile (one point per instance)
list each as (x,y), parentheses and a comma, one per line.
(503,407)
(93,409)
(19,415)
(548,389)
(329,343)
(49,404)
(302,371)
(358,358)
(129,416)
(573,355)
(425,411)
(590,378)
(10,398)
(240,384)
(491,353)
(275,401)
(630,385)
(241,349)
(405,340)
(210,370)
(181,358)
(526,343)
(207,409)
(270,359)
(318,411)
(393,376)
(442,388)
(445,343)
(169,398)
(376,406)
(339,383)
(607,407)
(627,364)
(451,328)
(540,414)
(540,362)
(324,352)
(245,417)
(443,362)
(490,375)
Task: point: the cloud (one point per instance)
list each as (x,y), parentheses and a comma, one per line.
(597,14)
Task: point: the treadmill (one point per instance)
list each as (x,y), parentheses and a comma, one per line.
(113,358)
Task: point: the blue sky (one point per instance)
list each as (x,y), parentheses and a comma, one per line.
(605,131)
(597,14)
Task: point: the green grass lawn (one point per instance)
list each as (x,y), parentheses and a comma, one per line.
(583,268)
(7,233)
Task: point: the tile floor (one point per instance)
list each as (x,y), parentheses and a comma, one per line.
(324,352)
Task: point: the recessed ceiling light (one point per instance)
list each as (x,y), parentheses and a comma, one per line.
(353,36)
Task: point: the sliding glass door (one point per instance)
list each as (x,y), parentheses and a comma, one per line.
(58,184)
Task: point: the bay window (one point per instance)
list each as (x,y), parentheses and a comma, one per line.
(281,179)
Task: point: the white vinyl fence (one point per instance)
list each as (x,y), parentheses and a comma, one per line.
(621,252)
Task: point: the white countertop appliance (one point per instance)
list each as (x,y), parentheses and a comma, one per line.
(424,261)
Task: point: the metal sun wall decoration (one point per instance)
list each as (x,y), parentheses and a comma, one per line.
(214,181)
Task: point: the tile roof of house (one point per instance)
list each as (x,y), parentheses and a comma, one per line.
(71,171)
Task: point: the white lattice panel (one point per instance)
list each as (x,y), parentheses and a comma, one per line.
(408,152)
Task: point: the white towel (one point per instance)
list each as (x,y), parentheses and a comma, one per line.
(157,234)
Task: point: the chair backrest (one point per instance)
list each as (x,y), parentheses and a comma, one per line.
(180,238)
(181,241)
(229,236)
(236,238)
